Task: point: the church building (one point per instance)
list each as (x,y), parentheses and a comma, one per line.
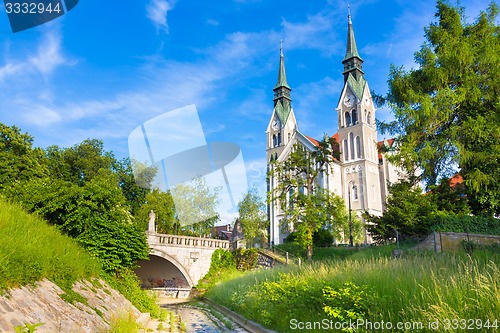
(362,173)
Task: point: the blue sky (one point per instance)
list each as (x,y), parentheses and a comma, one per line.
(106,67)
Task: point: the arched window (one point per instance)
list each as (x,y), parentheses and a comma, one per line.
(279,139)
(369,118)
(274,140)
(347,119)
(358,147)
(289,135)
(354,192)
(346,151)
(354,117)
(351,143)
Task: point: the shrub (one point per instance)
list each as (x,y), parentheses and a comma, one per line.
(466,223)
(246,259)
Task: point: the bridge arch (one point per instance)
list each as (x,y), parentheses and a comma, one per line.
(150,271)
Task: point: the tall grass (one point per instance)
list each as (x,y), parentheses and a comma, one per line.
(420,288)
(31,250)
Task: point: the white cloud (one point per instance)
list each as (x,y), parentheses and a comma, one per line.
(49,55)
(48,58)
(9,69)
(156,11)
(212,22)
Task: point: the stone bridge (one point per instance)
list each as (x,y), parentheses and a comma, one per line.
(177,262)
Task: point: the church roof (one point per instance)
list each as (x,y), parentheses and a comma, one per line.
(357,86)
(283,112)
(386,142)
(335,144)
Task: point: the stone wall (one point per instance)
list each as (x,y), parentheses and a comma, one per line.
(452,241)
(42,304)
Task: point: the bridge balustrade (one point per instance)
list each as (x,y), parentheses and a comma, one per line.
(177,240)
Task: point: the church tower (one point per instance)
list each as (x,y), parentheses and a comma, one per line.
(357,135)
(280,133)
(282,125)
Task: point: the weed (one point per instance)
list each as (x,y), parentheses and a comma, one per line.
(27,328)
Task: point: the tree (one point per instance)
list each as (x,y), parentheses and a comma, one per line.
(162,204)
(447,112)
(135,185)
(80,163)
(18,159)
(307,206)
(253,218)
(408,212)
(196,206)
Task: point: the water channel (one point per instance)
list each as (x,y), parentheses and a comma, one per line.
(198,320)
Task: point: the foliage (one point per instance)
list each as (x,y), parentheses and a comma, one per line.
(411,289)
(80,163)
(253,218)
(450,198)
(447,112)
(246,259)
(162,204)
(465,223)
(27,328)
(18,159)
(306,206)
(25,257)
(408,212)
(135,180)
(222,262)
(95,214)
(196,206)
(322,238)
(349,302)
(127,283)
(125,323)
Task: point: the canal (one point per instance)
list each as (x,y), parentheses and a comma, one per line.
(200,318)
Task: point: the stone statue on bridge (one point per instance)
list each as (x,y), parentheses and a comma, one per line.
(152,218)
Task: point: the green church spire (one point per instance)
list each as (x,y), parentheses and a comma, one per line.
(281,73)
(353,64)
(282,100)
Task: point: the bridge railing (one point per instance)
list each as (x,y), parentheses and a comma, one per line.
(176,240)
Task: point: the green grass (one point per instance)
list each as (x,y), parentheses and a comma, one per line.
(419,288)
(124,324)
(31,250)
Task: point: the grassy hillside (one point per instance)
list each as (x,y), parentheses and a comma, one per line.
(422,288)
(31,250)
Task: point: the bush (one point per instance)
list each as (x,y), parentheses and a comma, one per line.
(128,284)
(222,261)
(246,259)
(466,223)
(322,238)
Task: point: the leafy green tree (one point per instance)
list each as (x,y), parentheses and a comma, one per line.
(253,218)
(80,163)
(447,111)
(163,206)
(135,186)
(307,207)
(408,211)
(18,159)
(450,198)
(196,207)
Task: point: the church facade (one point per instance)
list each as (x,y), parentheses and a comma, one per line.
(362,173)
